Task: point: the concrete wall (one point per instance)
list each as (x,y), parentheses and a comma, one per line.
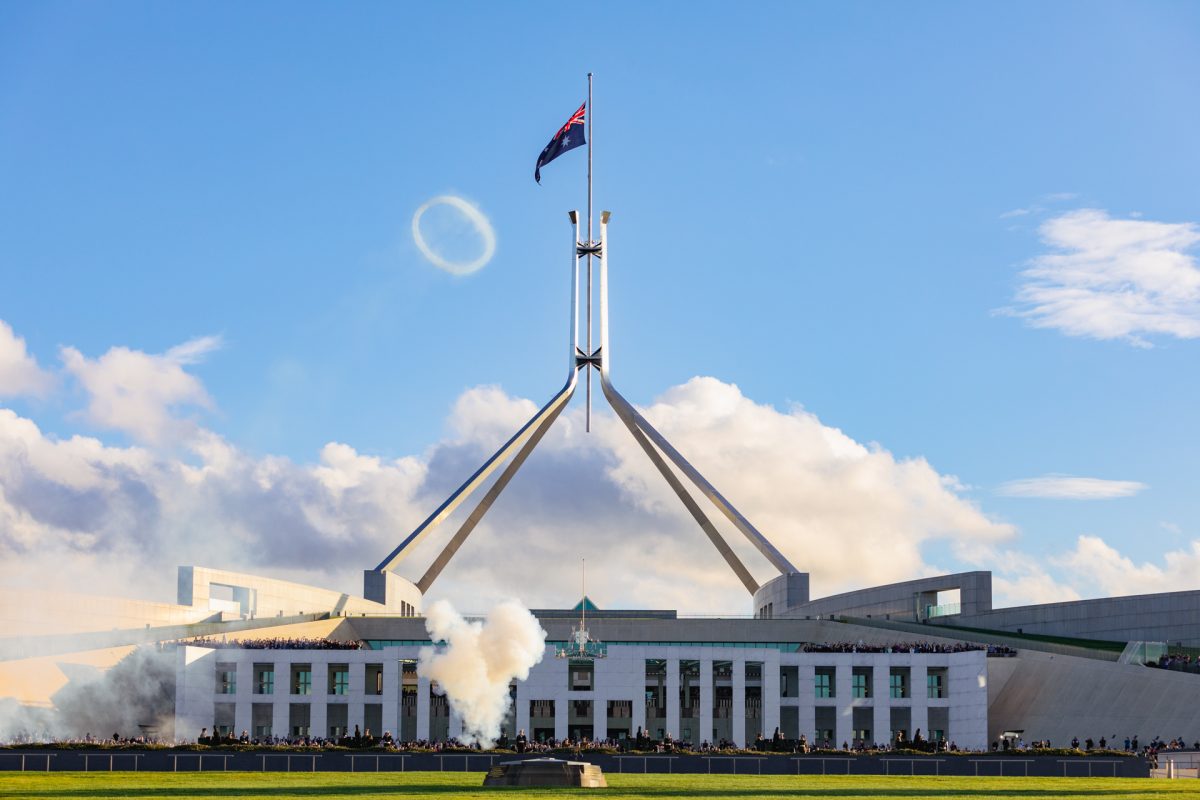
(31,612)
(1172,617)
(904,600)
(1058,697)
(780,594)
(266,597)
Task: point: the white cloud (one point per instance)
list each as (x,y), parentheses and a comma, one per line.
(853,514)
(1016,212)
(138,393)
(1111,278)
(1068,487)
(1096,563)
(19,371)
(77,511)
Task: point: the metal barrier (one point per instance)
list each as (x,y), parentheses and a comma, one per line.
(289,757)
(635,763)
(912,764)
(1002,761)
(735,759)
(86,756)
(466,757)
(199,760)
(847,761)
(355,756)
(1089,761)
(621,761)
(22,756)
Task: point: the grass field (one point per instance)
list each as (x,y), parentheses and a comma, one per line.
(444,785)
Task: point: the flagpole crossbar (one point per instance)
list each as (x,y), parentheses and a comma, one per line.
(657,448)
(582,359)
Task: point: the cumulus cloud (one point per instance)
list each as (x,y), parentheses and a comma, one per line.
(138,393)
(1018,578)
(1068,487)
(1102,567)
(853,514)
(1109,278)
(80,511)
(19,371)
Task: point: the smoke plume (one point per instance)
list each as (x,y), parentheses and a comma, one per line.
(479,660)
(135,697)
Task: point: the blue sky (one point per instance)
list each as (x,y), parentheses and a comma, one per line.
(830,205)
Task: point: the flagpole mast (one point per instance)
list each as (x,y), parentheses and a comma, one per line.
(588,413)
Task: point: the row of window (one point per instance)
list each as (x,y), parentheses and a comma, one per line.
(785,647)
(338,682)
(898,683)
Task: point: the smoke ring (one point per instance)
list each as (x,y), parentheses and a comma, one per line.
(478,221)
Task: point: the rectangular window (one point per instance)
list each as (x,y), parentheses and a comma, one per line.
(339,679)
(226,679)
(898,684)
(374,679)
(580,674)
(264,679)
(824,682)
(936,684)
(302,679)
(859,686)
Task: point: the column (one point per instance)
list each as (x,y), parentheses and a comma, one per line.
(560,712)
(806,676)
(638,676)
(738,721)
(357,697)
(455,727)
(843,725)
(391,696)
(244,696)
(281,700)
(422,708)
(522,711)
(317,721)
(770,694)
(706,700)
(920,696)
(599,716)
(672,725)
(881,696)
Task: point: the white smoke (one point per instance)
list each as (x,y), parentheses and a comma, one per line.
(479,660)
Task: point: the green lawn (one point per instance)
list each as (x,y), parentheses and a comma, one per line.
(415,785)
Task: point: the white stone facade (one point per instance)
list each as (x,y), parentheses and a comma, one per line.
(700,692)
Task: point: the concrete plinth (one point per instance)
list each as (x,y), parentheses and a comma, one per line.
(546,772)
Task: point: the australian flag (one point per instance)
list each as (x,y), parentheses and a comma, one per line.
(569,137)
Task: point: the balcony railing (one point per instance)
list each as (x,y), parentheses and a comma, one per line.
(944,610)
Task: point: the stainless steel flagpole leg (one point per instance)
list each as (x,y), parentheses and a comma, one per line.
(587,425)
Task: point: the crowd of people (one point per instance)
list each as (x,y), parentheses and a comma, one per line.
(640,742)
(316,643)
(1179,662)
(289,643)
(905,647)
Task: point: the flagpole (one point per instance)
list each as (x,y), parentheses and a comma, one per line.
(588,414)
